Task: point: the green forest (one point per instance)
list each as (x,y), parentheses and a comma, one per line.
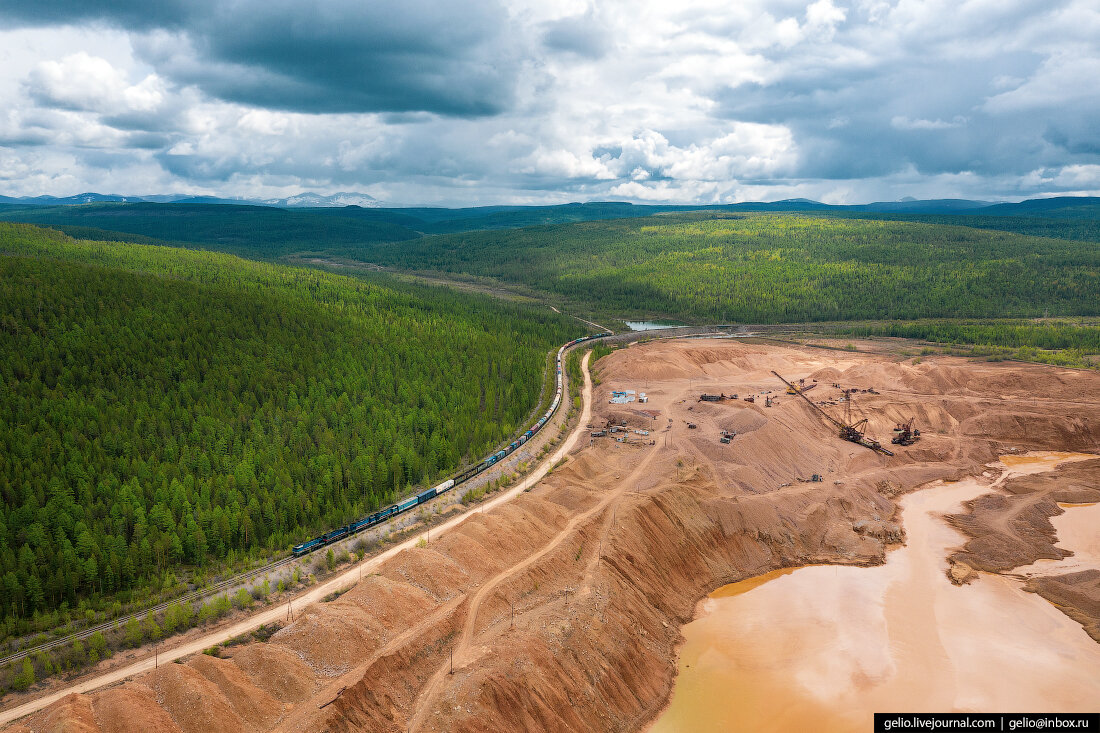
(165,408)
(258,232)
(775,267)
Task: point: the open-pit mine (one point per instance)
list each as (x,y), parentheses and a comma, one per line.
(567,608)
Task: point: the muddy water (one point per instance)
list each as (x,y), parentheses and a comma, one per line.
(1078,530)
(823,648)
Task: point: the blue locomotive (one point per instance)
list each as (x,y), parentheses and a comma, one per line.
(425,496)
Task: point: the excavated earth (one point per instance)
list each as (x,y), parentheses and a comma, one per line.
(561,609)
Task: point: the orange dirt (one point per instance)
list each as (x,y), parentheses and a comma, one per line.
(604,559)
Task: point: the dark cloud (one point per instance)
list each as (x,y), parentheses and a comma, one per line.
(451,58)
(580,35)
(135,14)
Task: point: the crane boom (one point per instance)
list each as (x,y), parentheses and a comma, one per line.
(851,433)
(809,402)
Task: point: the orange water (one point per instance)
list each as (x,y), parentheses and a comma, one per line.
(823,648)
(1078,529)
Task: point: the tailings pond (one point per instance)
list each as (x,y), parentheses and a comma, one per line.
(824,647)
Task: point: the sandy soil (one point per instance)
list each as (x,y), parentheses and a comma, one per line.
(561,609)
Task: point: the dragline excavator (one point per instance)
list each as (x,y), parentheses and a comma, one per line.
(852,432)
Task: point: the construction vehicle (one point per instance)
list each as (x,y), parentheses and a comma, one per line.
(852,432)
(802,387)
(905,433)
(692,426)
(750,399)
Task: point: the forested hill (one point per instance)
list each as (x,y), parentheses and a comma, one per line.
(166,407)
(259,232)
(774,268)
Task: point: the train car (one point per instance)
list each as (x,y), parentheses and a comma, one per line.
(336,534)
(306,547)
(424,496)
(363,523)
(469,473)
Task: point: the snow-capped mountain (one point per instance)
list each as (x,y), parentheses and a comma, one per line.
(316,200)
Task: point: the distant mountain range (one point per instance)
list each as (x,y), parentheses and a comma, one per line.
(490,217)
(302,200)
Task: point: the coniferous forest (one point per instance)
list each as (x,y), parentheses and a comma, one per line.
(166,408)
(775,268)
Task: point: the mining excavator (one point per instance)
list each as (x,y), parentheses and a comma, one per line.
(905,433)
(852,432)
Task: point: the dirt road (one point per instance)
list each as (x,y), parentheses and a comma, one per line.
(337,582)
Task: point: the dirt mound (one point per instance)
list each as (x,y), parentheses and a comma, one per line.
(253,704)
(195,703)
(1012,527)
(131,708)
(276,671)
(1077,594)
(432,572)
(71,713)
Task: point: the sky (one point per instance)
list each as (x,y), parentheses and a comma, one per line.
(449,102)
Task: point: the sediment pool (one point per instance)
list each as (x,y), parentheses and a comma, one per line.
(824,647)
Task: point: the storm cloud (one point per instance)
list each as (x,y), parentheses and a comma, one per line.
(422,101)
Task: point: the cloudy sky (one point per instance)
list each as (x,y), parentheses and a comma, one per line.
(546,101)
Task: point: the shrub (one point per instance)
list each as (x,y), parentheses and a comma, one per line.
(132,632)
(98,644)
(242,599)
(25,678)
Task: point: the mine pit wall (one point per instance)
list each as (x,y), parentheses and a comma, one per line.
(612,669)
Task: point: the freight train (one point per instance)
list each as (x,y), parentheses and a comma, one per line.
(425,496)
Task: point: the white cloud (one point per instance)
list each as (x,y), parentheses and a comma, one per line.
(80,81)
(1066,78)
(822,18)
(699,100)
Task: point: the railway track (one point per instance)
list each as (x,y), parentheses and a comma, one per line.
(210,590)
(190,597)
